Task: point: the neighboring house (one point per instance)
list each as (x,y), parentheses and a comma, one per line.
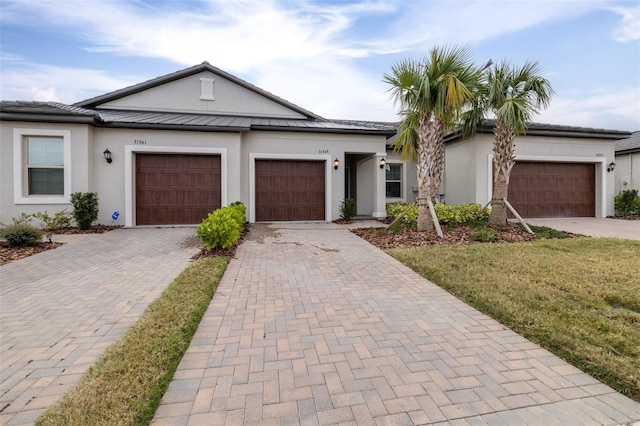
(627,168)
(560,171)
(185,144)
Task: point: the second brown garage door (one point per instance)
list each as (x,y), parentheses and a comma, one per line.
(288,190)
(553,189)
(176,189)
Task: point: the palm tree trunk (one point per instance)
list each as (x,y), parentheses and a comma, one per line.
(503,161)
(437,164)
(425,160)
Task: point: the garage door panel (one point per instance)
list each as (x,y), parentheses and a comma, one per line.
(176,188)
(289,190)
(553,189)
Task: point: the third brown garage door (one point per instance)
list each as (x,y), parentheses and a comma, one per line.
(553,189)
(289,190)
(176,188)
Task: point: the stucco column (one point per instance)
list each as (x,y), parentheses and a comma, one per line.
(379,195)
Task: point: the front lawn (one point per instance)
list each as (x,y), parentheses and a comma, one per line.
(578,297)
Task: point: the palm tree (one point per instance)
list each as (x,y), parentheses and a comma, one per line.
(513,95)
(431,95)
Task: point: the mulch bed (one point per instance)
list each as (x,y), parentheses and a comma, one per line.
(630,217)
(405,237)
(9,254)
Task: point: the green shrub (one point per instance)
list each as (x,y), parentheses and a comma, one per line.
(394,210)
(21,235)
(221,229)
(60,220)
(85,208)
(627,202)
(461,214)
(239,212)
(548,233)
(483,236)
(347,209)
(23,219)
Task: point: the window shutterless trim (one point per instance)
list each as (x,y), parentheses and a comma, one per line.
(20,195)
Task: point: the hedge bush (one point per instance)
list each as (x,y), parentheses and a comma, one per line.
(222,228)
(456,215)
(21,235)
(85,208)
(627,203)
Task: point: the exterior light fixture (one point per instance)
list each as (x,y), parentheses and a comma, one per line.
(336,163)
(107,155)
(611,166)
(382,163)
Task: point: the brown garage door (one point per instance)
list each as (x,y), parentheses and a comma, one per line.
(553,189)
(176,189)
(290,190)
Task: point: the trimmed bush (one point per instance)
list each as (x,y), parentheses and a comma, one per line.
(222,228)
(627,202)
(21,235)
(410,218)
(347,209)
(460,214)
(85,208)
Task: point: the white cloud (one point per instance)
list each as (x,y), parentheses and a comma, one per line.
(617,108)
(629,28)
(37,82)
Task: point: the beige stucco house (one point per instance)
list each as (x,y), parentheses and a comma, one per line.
(627,167)
(169,150)
(184,144)
(560,171)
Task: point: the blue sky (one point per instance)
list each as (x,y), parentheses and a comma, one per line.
(326,56)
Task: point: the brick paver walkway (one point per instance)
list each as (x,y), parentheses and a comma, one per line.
(312,325)
(60,309)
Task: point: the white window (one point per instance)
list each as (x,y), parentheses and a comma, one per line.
(42,166)
(394,180)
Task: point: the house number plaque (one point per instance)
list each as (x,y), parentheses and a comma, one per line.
(323,151)
(139,142)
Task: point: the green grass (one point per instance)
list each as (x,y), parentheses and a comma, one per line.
(578,298)
(126,384)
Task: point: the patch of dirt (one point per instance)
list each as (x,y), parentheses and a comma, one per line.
(229,253)
(404,237)
(9,254)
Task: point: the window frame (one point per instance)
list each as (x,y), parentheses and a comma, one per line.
(21,169)
(399,181)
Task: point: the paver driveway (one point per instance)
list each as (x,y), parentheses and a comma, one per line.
(312,325)
(60,309)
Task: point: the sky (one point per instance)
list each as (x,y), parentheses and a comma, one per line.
(327,56)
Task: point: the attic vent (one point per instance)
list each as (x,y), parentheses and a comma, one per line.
(206,89)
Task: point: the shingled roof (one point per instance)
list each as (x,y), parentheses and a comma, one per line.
(631,144)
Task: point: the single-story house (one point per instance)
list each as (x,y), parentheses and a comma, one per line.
(181,145)
(627,167)
(560,171)
(169,150)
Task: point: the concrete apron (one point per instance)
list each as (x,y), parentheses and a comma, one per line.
(613,228)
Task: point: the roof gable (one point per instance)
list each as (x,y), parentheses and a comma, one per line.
(202,89)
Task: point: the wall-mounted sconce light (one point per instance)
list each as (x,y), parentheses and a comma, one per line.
(382,163)
(612,166)
(336,163)
(107,155)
